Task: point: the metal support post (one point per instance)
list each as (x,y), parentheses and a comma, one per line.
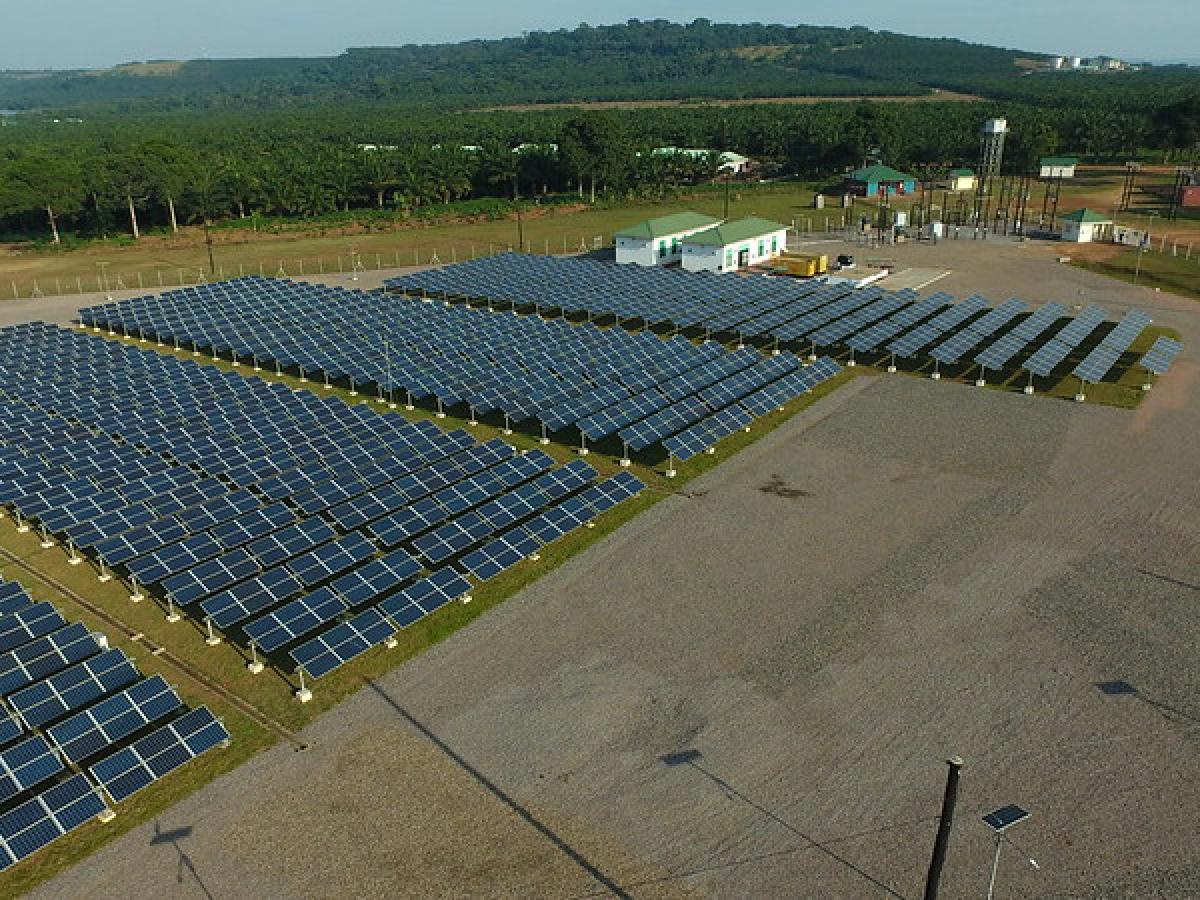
(213,638)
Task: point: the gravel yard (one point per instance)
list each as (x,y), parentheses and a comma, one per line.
(905,571)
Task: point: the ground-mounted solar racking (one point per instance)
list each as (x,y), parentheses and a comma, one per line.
(317,511)
(81,728)
(1158,359)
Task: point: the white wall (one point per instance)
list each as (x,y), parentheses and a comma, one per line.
(631,250)
(701,257)
(647,253)
(1082,232)
(1058,172)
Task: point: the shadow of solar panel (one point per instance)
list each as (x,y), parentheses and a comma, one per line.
(40,820)
(74,687)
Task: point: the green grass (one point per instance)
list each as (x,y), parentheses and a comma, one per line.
(1158,270)
(324,249)
(271,692)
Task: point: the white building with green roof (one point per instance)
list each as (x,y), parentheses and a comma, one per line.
(1086,225)
(734,245)
(659,241)
(1057,166)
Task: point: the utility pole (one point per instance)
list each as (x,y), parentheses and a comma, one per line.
(949,799)
(520,224)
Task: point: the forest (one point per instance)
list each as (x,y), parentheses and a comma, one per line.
(97,171)
(634,61)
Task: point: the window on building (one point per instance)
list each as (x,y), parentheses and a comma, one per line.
(728,257)
(762,248)
(774,243)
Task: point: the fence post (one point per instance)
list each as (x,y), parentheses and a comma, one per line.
(16,296)
(141,287)
(57,287)
(416,257)
(78,285)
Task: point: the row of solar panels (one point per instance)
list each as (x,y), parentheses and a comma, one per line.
(80,726)
(601,381)
(862,321)
(283,555)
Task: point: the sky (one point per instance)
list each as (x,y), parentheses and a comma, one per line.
(91,34)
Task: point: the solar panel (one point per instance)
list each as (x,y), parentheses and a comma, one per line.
(74,687)
(342,643)
(40,657)
(25,765)
(1161,354)
(425,596)
(295,619)
(165,749)
(28,623)
(251,597)
(93,730)
(37,822)
(10,729)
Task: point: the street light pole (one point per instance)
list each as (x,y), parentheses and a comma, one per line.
(1137,269)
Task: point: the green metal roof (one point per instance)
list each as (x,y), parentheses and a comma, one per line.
(1086,215)
(1058,161)
(732,232)
(963,173)
(880,173)
(667,225)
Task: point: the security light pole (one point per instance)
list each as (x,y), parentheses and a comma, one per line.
(1000,820)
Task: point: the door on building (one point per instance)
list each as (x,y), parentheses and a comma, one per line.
(743,257)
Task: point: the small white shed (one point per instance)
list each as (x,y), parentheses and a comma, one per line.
(659,242)
(962,179)
(1057,166)
(1085,225)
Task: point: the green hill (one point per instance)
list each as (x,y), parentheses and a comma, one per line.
(633,61)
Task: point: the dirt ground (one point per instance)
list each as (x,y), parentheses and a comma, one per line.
(749,691)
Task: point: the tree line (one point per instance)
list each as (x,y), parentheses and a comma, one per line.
(122,174)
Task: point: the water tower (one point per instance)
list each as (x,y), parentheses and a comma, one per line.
(991,147)
(991,154)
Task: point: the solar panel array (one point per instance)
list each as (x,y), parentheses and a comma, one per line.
(523,367)
(1160,355)
(1049,355)
(1104,355)
(313,511)
(75,712)
(825,315)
